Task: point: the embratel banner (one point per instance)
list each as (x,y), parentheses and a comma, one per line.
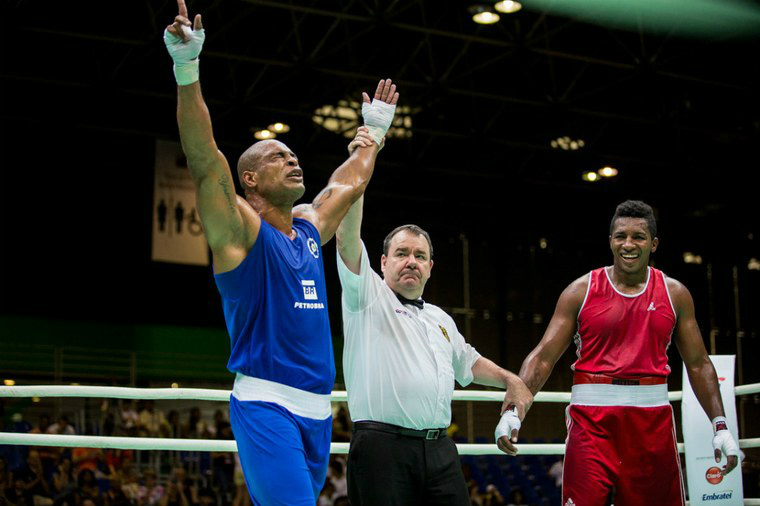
(705,484)
(177,231)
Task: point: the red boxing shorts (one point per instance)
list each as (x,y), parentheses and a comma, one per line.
(621,447)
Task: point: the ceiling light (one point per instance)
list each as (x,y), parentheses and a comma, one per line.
(565,143)
(691,258)
(507,6)
(175,385)
(542,243)
(483,15)
(279,128)
(264,134)
(590,177)
(754,264)
(9,382)
(608,171)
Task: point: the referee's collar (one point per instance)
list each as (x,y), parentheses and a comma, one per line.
(418,303)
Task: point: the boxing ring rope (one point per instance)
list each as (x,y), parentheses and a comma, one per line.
(209,445)
(207,394)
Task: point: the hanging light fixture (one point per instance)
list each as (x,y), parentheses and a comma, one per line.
(608,171)
(590,177)
(279,128)
(507,6)
(264,134)
(483,14)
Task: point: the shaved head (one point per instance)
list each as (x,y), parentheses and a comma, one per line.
(269,170)
(249,160)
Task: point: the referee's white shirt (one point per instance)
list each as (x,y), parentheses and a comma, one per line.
(399,362)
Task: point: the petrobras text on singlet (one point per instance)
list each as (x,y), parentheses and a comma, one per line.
(275,307)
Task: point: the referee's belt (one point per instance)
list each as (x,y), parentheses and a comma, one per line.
(428,434)
(584,378)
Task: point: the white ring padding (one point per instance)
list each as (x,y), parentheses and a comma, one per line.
(215,445)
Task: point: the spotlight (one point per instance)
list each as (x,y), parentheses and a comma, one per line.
(608,172)
(264,134)
(483,15)
(507,6)
(565,143)
(591,177)
(691,258)
(279,128)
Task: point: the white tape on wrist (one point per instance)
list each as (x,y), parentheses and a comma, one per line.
(509,421)
(378,117)
(723,440)
(185,53)
(186,73)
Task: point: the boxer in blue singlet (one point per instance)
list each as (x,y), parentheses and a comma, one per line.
(268,267)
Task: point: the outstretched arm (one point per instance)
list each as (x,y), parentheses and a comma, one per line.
(348,235)
(349,181)
(486,372)
(701,372)
(222,212)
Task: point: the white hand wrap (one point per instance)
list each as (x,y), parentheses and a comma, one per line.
(509,422)
(185,54)
(378,117)
(723,440)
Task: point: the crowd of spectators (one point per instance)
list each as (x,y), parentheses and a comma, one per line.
(50,476)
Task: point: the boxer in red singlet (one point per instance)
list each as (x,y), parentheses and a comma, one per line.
(621,441)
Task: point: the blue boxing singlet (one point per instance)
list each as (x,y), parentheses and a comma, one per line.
(275,306)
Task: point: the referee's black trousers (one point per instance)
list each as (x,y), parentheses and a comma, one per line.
(394,470)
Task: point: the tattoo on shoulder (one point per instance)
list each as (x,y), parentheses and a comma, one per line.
(224,182)
(321,198)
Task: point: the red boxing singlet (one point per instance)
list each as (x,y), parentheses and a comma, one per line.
(621,441)
(625,336)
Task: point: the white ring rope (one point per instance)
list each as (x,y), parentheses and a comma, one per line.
(215,445)
(208,394)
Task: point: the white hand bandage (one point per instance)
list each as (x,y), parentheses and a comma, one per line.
(723,440)
(378,117)
(509,422)
(185,54)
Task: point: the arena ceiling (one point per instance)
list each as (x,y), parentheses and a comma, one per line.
(677,114)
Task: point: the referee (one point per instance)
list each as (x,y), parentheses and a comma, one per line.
(400,360)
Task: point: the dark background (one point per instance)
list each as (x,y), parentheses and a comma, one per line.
(88,88)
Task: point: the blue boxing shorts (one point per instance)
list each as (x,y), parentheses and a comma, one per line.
(284,456)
